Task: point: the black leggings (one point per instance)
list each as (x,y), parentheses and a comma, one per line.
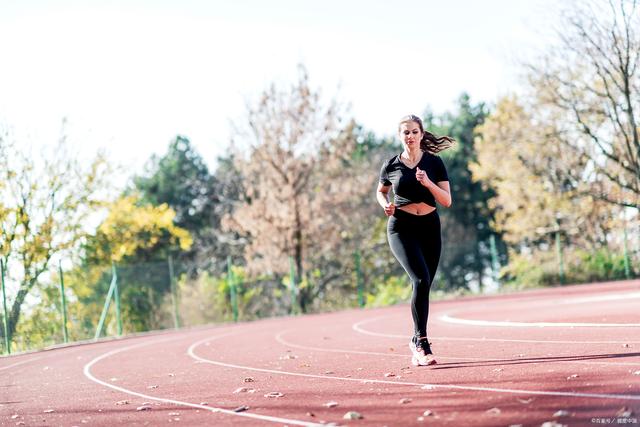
(415,241)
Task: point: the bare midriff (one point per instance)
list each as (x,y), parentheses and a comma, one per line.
(417,208)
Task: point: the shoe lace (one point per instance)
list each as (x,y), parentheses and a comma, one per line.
(423,344)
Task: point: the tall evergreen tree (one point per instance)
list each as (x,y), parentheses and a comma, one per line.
(466,225)
(182,180)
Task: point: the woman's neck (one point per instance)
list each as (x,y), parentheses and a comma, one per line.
(412,155)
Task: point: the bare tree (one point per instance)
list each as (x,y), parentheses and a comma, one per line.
(298,184)
(589,87)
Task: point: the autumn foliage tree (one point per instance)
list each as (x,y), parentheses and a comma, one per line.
(130,227)
(300,184)
(45,204)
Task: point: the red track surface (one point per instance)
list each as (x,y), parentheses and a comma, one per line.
(489,374)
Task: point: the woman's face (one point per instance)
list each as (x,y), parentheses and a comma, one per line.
(410,134)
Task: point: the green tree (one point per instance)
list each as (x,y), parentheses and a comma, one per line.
(182,180)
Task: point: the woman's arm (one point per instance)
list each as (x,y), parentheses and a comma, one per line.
(441,191)
(382,195)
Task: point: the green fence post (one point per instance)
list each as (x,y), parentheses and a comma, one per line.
(174,295)
(359,279)
(107,302)
(232,290)
(7,338)
(63,299)
(627,267)
(292,285)
(495,264)
(560,258)
(117,298)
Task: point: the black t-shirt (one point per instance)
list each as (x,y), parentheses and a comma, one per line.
(405,185)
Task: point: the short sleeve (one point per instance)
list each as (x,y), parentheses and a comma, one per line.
(384,175)
(440,170)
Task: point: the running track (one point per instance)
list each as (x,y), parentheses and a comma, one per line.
(504,360)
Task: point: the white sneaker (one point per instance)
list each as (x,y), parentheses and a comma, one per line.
(418,355)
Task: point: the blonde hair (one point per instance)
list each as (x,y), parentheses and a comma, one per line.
(429,142)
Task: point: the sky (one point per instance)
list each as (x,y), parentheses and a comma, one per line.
(128,76)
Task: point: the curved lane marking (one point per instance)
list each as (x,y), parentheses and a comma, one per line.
(371,353)
(358,328)
(599,298)
(88,374)
(576,300)
(509,324)
(20,363)
(470,359)
(191,352)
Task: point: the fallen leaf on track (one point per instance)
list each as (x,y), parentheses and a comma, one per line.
(274,394)
(288,356)
(352,415)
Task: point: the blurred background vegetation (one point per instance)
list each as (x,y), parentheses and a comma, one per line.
(546,191)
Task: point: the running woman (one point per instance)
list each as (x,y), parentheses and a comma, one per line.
(419,180)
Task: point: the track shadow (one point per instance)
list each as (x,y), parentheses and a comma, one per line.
(530,360)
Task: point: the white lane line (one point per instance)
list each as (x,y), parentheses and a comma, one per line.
(509,324)
(371,353)
(358,328)
(20,363)
(88,374)
(191,352)
(599,298)
(470,359)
